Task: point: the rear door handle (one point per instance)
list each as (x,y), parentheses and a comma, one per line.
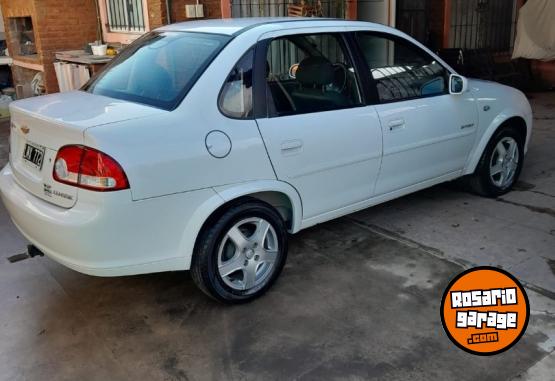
(291,146)
(396,124)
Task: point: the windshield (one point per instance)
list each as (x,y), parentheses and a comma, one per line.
(159,68)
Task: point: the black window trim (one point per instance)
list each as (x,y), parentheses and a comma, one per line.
(261,86)
(367,83)
(372,82)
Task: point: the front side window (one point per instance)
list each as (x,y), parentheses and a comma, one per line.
(236,97)
(309,73)
(159,68)
(400,69)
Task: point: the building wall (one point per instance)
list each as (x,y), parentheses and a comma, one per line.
(57,24)
(20,8)
(436,21)
(62,26)
(157,15)
(374,11)
(384,12)
(157,11)
(212,9)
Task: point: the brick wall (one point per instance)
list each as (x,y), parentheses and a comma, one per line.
(12,8)
(63,25)
(58,25)
(157,11)
(20,8)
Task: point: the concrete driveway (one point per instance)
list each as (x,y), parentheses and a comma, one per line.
(358,299)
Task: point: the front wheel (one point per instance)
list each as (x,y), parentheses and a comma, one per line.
(500,164)
(240,255)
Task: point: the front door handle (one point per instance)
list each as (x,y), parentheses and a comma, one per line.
(396,124)
(291,146)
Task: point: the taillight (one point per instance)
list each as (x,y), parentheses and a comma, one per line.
(85,167)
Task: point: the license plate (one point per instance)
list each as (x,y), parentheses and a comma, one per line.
(34,155)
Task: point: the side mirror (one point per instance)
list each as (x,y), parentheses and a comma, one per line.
(457,84)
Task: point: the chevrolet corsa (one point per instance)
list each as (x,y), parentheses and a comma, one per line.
(203,144)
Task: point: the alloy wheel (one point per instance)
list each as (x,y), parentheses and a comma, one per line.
(247,254)
(504,162)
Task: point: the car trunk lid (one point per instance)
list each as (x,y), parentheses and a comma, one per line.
(41,125)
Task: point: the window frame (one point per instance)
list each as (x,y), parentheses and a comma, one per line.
(365,68)
(262,91)
(117,36)
(125,14)
(254,98)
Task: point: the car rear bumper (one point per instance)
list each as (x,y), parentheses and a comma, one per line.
(108,234)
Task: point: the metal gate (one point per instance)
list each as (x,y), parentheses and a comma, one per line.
(483,24)
(277,8)
(412,18)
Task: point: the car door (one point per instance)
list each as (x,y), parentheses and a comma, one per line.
(427,132)
(320,136)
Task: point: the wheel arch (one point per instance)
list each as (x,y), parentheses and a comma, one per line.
(282,196)
(501,121)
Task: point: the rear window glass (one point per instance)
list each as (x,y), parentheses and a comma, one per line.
(159,68)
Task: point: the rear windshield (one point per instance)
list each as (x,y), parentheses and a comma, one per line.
(159,68)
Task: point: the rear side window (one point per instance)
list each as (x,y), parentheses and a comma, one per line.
(310,73)
(159,68)
(235,98)
(400,69)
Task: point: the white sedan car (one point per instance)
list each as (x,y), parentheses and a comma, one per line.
(205,143)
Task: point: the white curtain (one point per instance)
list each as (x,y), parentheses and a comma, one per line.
(535,32)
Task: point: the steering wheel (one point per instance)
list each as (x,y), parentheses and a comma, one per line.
(339,76)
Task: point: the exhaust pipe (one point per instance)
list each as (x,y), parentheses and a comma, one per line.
(33,251)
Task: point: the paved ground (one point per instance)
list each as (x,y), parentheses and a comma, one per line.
(358,299)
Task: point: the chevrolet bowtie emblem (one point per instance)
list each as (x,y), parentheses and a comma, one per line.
(25,129)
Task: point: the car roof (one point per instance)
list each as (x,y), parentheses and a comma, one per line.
(234,26)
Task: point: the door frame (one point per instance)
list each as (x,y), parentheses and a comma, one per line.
(261,93)
(366,69)
(366,85)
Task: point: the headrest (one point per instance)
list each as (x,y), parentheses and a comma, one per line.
(315,71)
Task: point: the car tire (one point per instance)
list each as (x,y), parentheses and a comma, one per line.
(240,253)
(500,164)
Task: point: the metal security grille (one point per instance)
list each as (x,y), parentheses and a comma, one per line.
(483,24)
(412,18)
(272,8)
(125,15)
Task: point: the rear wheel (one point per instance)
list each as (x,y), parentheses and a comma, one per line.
(239,256)
(500,164)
